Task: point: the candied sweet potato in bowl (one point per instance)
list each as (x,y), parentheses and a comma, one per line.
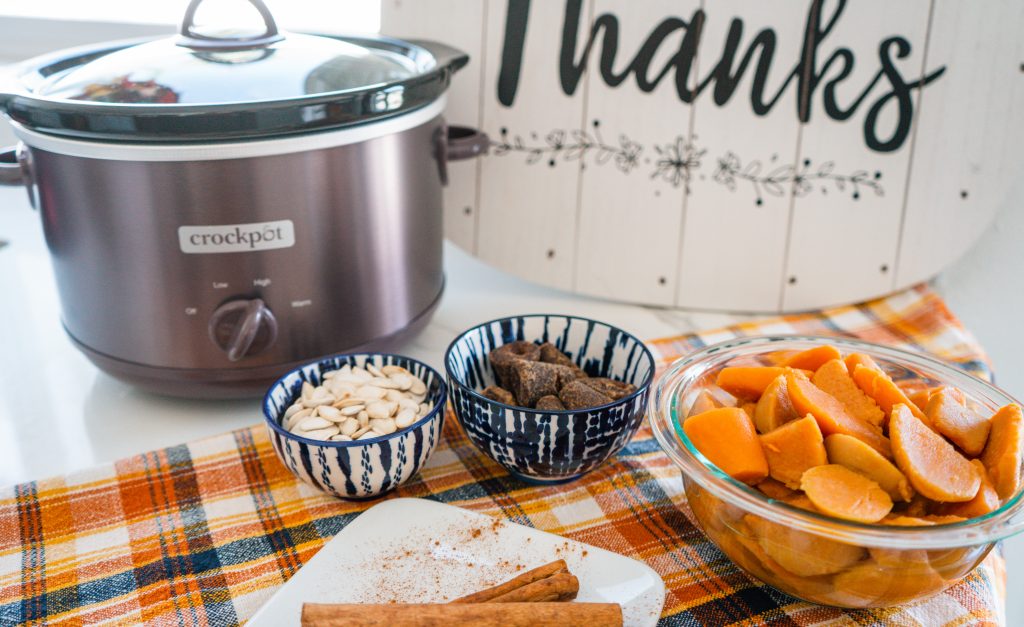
(857,475)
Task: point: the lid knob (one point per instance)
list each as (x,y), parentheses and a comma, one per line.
(190,38)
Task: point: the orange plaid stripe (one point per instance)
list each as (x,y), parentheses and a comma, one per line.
(204,533)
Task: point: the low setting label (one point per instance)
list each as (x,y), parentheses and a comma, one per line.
(236,238)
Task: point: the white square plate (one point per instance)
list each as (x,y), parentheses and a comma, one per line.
(420,551)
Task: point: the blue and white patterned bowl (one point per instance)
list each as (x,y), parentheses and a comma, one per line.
(364,468)
(549,446)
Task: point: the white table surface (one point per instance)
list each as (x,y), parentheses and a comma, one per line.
(58,413)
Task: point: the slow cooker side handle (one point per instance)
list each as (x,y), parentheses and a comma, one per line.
(16,169)
(456,143)
(447,58)
(10,167)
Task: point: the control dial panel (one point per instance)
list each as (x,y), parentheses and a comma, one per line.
(243,327)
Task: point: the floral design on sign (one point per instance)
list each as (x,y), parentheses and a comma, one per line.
(675,162)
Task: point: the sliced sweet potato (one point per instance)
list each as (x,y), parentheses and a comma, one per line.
(749,408)
(885,392)
(848,451)
(812,358)
(792,449)
(917,507)
(799,499)
(939,519)
(920,396)
(898,520)
(1004,453)
(913,386)
(726,436)
(754,559)
(832,417)
(838,491)
(909,559)
(774,408)
(771,572)
(920,521)
(710,512)
(868,584)
(749,382)
(775,490)
(956,562)
(932,465)
(746,553)
(775,358)
(948,412)
(860,359)
(833,378)
(985,501)
(703,403)
(802,553)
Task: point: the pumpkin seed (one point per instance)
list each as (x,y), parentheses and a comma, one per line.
(357,403)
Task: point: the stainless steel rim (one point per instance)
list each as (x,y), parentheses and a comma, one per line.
(124,151)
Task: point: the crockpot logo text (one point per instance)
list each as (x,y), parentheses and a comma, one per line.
(236,238)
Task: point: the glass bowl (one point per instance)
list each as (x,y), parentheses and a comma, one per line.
(809,555)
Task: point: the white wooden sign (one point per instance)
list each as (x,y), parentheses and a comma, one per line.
(750,156)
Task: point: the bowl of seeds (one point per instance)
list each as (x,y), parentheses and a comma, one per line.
(549,397)
(356,425)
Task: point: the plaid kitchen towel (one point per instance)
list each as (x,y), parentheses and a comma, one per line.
(204,533)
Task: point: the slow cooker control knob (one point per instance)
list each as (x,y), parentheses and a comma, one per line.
(242,328)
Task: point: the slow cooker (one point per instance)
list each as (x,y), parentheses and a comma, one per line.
(222,205)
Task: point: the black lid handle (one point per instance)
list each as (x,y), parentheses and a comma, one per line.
(191,39)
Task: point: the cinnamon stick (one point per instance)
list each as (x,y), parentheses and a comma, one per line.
(530,576)
(557,587)
(448,614)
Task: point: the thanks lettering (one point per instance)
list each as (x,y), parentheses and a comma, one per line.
(806,75)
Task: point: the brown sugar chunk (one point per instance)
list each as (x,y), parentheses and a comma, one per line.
(579,395)
(550,354)
(500,394)
(504,356)
(550,403)
(610,387)
(567,374)
(530,380)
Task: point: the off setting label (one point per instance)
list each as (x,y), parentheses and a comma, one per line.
(236,238)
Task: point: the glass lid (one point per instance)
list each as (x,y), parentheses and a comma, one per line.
(230,65)
(226,83)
